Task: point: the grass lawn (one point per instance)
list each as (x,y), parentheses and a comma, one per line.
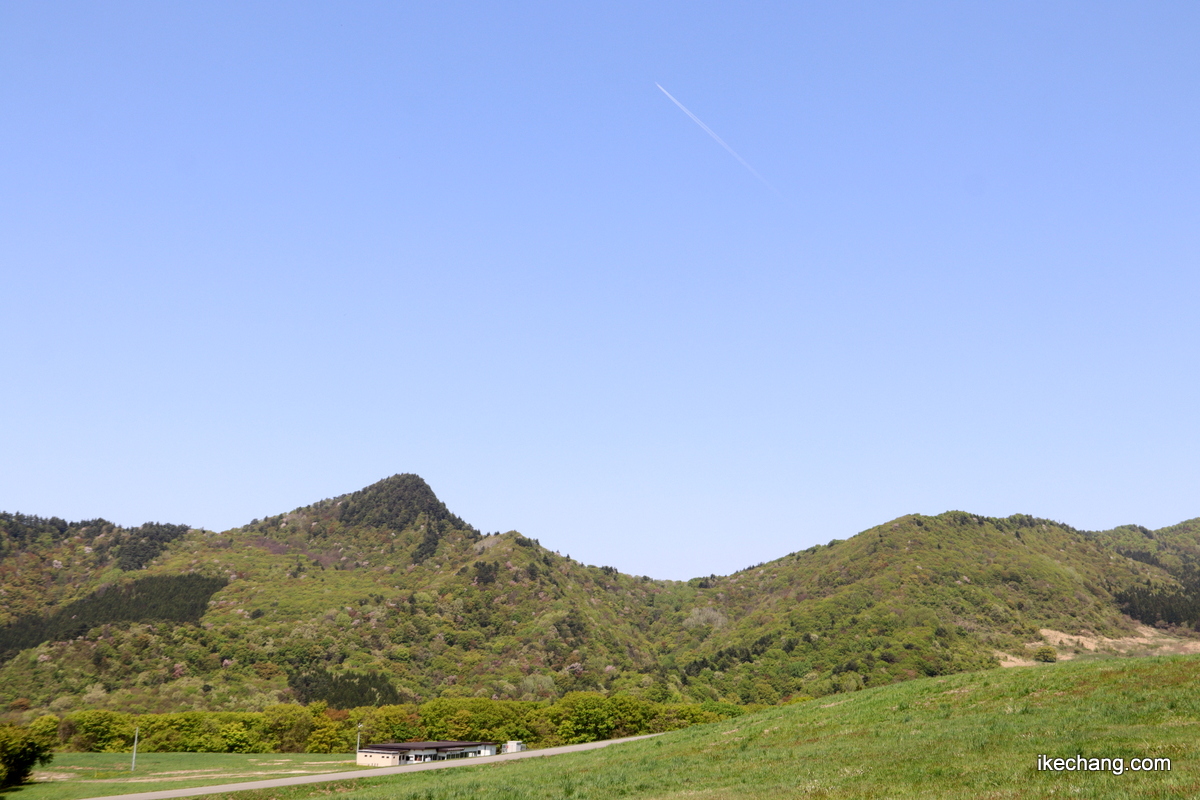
(974,735)
(76,775)
(963,736)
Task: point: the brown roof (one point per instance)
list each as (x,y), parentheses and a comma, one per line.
(395,747)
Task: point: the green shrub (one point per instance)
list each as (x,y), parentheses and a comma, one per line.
(1046,654)
(45,728)
(20,750)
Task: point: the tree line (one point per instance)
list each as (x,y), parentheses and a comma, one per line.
(290,728)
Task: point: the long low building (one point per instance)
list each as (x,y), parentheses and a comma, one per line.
(391,754)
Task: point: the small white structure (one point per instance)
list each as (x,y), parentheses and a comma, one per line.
(512,746)
(377,758)
(394,754)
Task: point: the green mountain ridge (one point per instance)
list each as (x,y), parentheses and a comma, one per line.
(384,594)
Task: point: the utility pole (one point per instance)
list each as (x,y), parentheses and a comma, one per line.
(358,739)
(133,762)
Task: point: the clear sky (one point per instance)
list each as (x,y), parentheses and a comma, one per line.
(259,254)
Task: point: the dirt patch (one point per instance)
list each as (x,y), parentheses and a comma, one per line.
(1009,660)
(1148,641)
(189,771)
(39,776)
(263,773)
(487,543)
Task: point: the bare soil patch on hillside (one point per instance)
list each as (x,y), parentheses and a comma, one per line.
(1147,641)
(1009,660)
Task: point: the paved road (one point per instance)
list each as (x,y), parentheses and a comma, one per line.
(365,773)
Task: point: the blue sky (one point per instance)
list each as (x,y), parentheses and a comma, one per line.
(259,254)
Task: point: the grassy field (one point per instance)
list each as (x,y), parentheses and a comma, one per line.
(964,736)
(77,775)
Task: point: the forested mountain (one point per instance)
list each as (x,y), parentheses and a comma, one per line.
(383,596)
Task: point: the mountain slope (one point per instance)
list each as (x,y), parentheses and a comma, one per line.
(48,562)
(916,596)
(411,593)
(383,594)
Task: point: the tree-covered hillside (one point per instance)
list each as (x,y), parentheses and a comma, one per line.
(917,596)
(1176,550)
(46,562)
(384,596)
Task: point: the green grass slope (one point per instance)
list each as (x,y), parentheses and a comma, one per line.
(963,736)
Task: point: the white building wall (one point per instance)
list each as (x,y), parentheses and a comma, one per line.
(369,759)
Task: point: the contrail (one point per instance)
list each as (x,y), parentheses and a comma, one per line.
(720,141)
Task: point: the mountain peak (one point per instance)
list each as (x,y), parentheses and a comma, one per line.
(395,503)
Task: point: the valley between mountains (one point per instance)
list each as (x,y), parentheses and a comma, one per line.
(385,596)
